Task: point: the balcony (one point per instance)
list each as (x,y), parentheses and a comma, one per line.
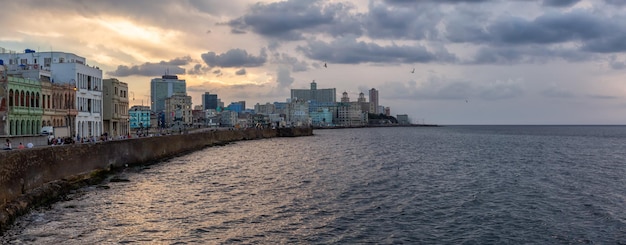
(23,110)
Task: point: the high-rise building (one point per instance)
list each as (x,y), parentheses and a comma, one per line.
(374,101)
(314,94)
(209,101)
(163,88)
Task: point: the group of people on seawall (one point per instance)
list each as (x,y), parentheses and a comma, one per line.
(9,146)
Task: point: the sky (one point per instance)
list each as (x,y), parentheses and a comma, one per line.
(444,62)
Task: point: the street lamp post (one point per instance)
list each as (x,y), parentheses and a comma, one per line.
(70,96)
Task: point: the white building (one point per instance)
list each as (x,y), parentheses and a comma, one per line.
(349,114)
(68,68)
(211,118)
(298,113)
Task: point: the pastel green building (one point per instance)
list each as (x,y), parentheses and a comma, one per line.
(24,112)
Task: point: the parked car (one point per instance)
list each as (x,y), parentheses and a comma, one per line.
(47,130)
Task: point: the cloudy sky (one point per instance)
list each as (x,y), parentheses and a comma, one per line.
(474,61)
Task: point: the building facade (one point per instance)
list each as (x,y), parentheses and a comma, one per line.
(374,101)
(349,114)
(229,118)
(298,113)
(70,69)
(24,106)
(115,108)
(403,119)
(163,88)
(139,118)
(265,109)
(209,101)
(239,106)
(314,94)
(178,111)
(365,106)
(322,117)
(32,102)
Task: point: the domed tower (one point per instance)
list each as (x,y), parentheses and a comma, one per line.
(345,98)
(361,98)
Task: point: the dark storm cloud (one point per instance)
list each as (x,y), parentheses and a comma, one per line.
(551,28)
(436,1)
(241,72)
(560,3)
(579,30)
(198,69)
(350,51)
(610,43)
(234,58)
(163,13)
(616,2)
(466,25)
(293,19)
(152,69)
(416,22)
(527,54)
(546,29)
(290,19)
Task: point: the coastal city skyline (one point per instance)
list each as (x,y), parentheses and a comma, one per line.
(442,62)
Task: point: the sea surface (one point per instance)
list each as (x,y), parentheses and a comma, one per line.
(411,185)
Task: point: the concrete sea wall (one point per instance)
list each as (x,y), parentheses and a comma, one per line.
(37,176)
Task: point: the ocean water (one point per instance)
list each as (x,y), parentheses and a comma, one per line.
(413,185)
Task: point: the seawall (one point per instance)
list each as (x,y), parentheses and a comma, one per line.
(39,176)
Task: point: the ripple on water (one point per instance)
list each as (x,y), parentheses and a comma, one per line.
(450,185)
